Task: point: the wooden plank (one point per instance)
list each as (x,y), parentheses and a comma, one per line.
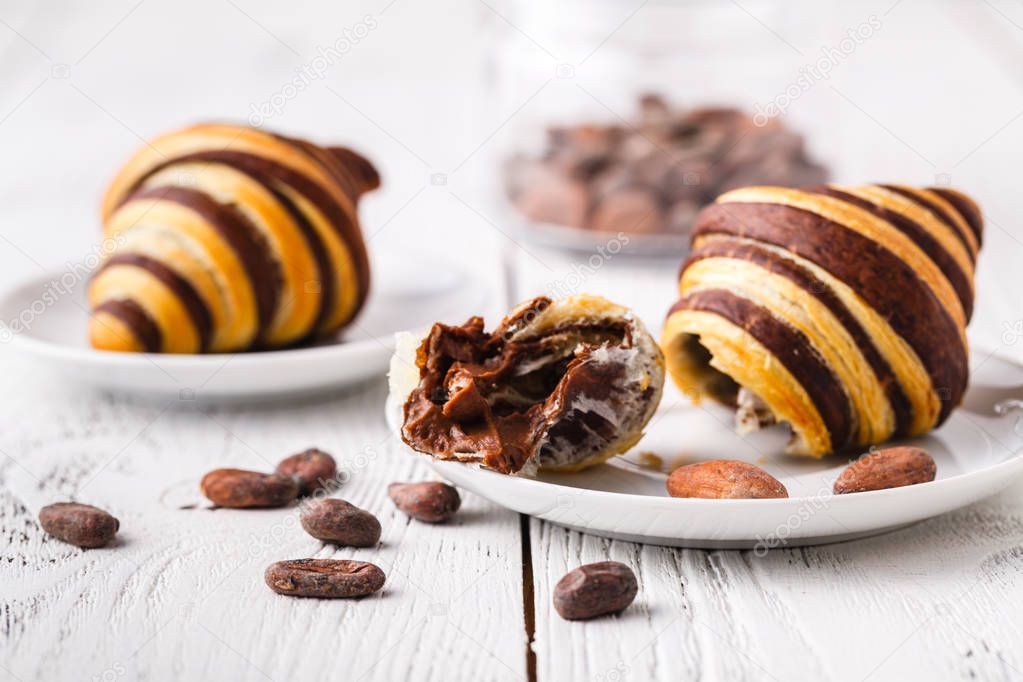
(935,601)
(181,594)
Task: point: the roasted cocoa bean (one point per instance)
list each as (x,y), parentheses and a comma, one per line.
(340,523)
(81,525)
(724,479)
(312,470)
(324,578)
(239,489)
(429,501)
(887,468)
(595,590)
(635,209)
(551,197)
(688,156)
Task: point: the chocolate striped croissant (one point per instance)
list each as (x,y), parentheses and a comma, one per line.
(839,310)
(229,238)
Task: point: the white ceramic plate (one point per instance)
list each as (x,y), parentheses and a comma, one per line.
(978,452)
(408,292)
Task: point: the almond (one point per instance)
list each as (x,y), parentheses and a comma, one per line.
(724,479)
(887,468)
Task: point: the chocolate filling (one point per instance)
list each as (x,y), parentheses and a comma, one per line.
(506,397)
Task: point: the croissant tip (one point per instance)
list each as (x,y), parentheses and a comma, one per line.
(106,333)
(366,173)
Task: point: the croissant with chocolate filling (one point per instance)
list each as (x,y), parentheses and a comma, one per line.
(558,385)
(229,238)
(839,310)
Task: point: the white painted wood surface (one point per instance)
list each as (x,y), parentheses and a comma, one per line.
(181,594)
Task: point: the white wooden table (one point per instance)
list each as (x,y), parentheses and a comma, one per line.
(181,596)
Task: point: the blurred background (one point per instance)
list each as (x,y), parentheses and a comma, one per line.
(441,95)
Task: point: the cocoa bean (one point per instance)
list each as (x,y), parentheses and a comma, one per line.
(324,578)
(312,470)
(429,501)
(887,468)
(635,209)
(595,590)
(81,525)
(663,150)
(240,489)
(341,523)
(550,197)
(724,479)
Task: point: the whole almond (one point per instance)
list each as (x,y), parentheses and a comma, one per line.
(313,470)
(724,479)
(429,501)
(239,489)
(341,523)
(81,525)
(324,578)
(887,468)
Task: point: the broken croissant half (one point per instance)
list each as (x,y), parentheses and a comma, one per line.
(839,310)
(558,385)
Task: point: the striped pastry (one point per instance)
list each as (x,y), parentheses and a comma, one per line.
(839,310)
(227,239)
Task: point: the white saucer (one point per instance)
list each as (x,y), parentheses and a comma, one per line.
(408,292)
(978,452)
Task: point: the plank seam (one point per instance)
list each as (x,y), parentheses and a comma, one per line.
(528,597)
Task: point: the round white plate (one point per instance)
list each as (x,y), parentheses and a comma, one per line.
(978,452)
(46,319)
